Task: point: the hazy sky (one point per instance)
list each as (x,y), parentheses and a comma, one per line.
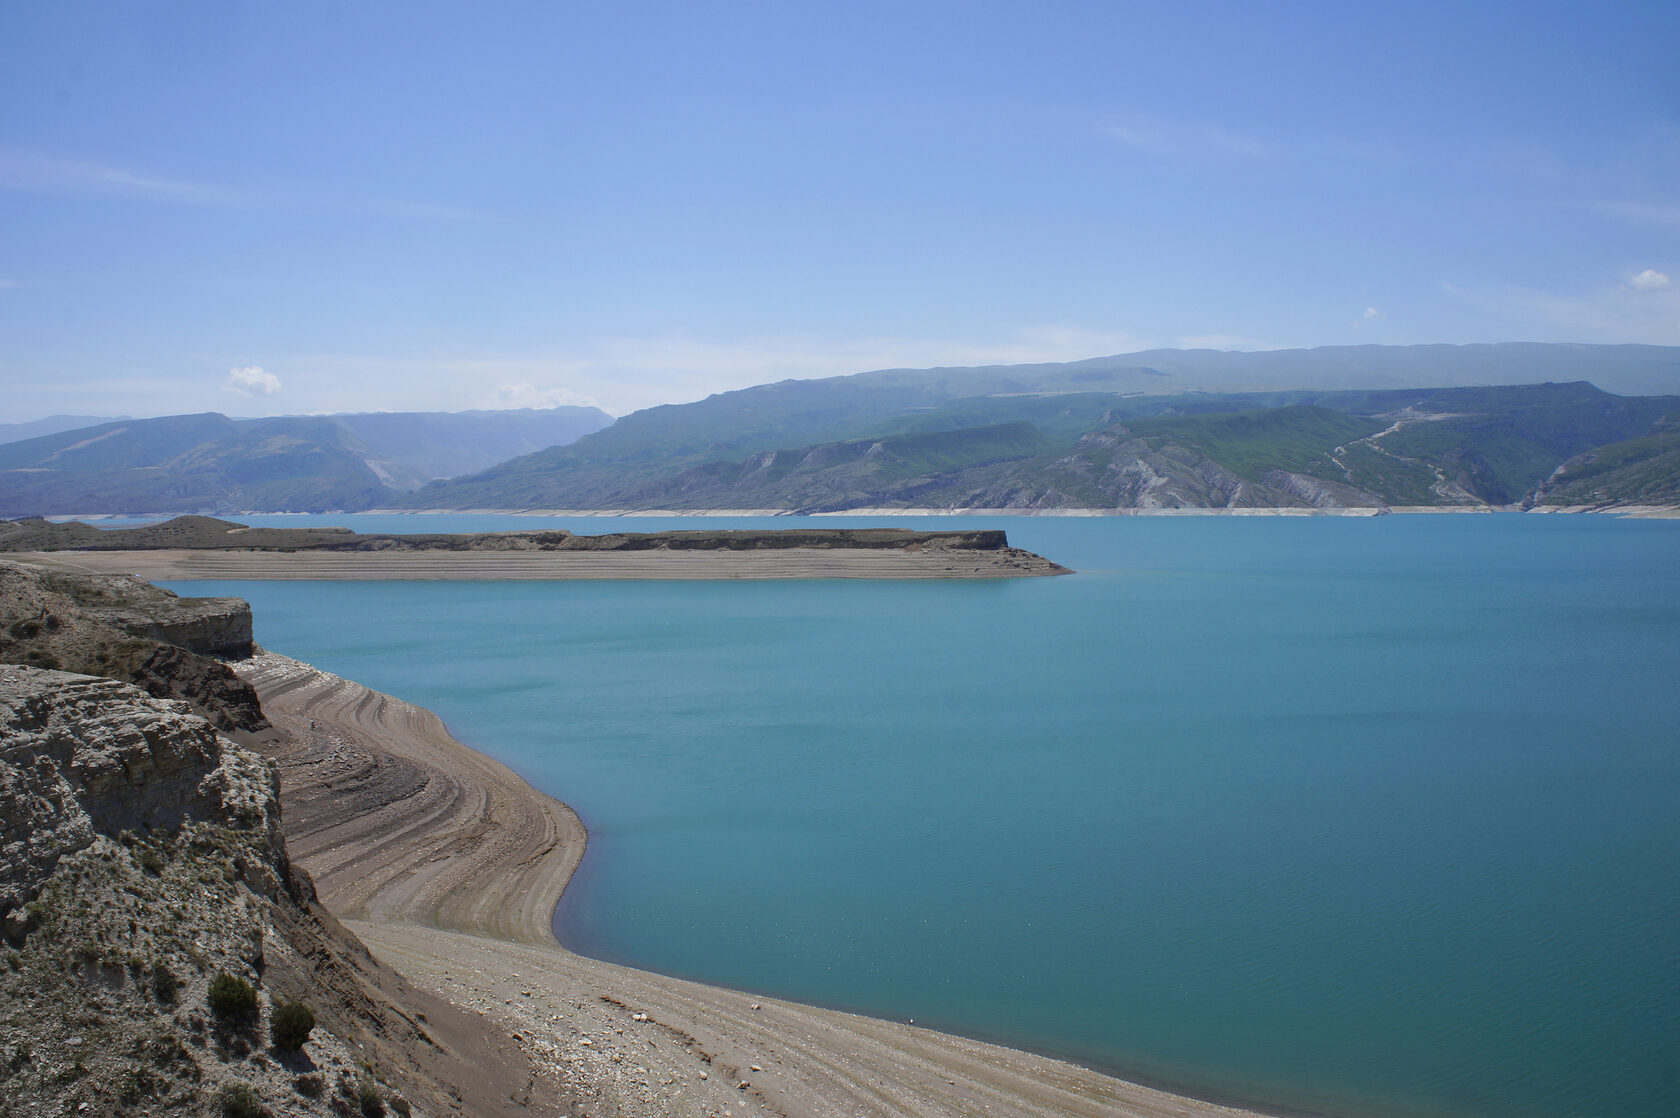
(292,207)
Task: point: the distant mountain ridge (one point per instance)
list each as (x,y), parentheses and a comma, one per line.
(1493,425)
(51,425)
(209,462)
(1108,433)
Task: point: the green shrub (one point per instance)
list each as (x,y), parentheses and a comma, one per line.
(240,1101)
(231,996)
(150,861)
(311,1086)
(289,1026)
(368,1096)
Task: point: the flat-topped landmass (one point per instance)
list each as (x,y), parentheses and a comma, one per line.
(202,547)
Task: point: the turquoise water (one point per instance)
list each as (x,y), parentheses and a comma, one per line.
(1355,816)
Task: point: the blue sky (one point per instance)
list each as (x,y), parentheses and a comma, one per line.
(266,209)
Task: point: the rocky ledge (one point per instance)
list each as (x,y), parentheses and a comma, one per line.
(153,923)
(127,629)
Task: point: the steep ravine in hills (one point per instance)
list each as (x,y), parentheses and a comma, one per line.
(142,856)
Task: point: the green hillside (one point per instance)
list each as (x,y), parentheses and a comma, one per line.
(1494,443)
(1641,471)
(1362,448)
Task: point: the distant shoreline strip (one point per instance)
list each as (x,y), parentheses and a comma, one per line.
(788,563)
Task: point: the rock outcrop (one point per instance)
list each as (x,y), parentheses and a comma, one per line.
(125,628)
(83,756)
(207,626)
(1322,494)
(142,858)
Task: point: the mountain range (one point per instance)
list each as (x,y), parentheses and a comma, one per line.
(1136,431)
(209,462)
(1495,425)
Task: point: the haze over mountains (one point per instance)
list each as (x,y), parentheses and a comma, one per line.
(284,464)
(1333,427)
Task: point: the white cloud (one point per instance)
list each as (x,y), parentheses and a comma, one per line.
(527,395)
(1649,280)
(1371,312)
(251,380)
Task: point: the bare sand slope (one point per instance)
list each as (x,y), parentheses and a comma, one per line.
(448,865)
(813,562)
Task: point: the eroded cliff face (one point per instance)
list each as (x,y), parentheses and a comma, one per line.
(125,628)
(207,626)
(142,856)
(82,756)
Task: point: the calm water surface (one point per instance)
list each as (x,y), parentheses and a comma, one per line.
(1357,816)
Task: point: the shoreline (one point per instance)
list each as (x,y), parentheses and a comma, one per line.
(1632,511)
(182,564)
(450,866)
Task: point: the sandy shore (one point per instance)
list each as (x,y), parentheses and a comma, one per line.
(183,564)
(448,865)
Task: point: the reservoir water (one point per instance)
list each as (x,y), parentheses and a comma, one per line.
(1352,816)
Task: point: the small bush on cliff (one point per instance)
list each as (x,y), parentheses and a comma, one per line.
(369,1099)
(240,1101)
(231,996)
(289,1027)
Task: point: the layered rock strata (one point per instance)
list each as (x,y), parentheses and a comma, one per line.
(142,860)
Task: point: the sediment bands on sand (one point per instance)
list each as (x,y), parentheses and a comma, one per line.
(449,866)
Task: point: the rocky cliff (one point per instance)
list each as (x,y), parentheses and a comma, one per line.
(128,629)
(82,756)
(143,858)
